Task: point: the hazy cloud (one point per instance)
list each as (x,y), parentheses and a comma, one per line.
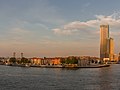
(19,31)
(77,26)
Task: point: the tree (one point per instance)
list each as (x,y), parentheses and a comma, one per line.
(74,60)
(24,60)
(67,61)
(12,60)
(62,61)
(71,60)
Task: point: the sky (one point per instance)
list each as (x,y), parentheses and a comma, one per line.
(54,28)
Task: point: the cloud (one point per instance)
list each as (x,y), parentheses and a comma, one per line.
(75,27)
(39,11)
(19,31)
(17,36)
(89,26)
(66,32)
(115,33)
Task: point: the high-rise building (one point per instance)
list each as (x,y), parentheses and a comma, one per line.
(119,57)
(104,35)
(111,48)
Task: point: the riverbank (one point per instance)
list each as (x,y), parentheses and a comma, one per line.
(62,66)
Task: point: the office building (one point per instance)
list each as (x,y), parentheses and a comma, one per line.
(111,48)
(104,35)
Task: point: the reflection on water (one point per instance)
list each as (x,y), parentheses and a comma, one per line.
(12,78)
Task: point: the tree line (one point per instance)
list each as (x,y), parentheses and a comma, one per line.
(69,60)
(23,60)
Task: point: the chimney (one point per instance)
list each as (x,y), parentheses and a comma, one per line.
(14,54)
(21,55)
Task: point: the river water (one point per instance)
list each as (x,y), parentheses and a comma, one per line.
(23,78)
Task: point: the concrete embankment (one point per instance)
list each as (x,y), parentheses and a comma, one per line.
(94,66)
(63,66)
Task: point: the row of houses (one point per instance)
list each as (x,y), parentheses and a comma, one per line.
(81,60)
(45,61)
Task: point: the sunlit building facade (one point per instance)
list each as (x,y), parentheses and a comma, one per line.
(111,48)
(104,35)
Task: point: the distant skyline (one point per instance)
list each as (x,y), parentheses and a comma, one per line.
(56,27)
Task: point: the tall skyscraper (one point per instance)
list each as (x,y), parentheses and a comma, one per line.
(111,48)
(104,35)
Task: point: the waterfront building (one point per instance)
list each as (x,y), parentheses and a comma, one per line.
(36,61)
(83,62)
(88,60)
(111,49)
(115,57)
(52,61)
(104,35)
(106,44)
(119,57)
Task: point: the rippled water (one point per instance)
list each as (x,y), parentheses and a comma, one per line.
(21,78)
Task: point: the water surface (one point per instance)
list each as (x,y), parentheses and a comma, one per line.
(22,78)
